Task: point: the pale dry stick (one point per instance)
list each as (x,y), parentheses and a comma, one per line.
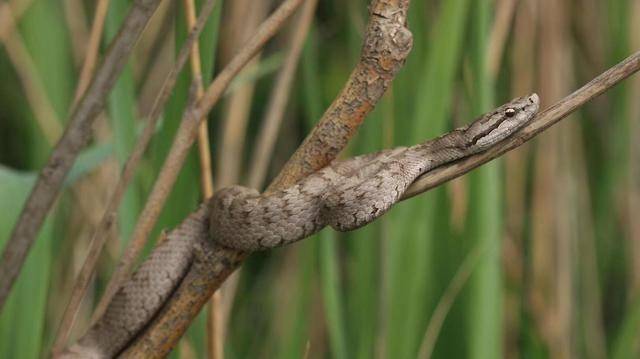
(206,179)
(448,298)
(76,21)
(214,263)
(541,122)
(239,25)
(552,282)
(183,140)
(158,49)
(237,107)
(214,324)
(26,69)
(499,32)
(93,47)
(74,139)
(386,46)
(18,8)
(101,232)
(271,122)
(278,102)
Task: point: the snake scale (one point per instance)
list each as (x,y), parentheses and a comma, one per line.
(346,195)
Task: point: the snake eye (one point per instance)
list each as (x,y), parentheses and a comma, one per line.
(510,112)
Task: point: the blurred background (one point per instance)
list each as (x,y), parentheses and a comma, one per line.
(535,255)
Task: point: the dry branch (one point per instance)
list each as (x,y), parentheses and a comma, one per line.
(184,138)
(541,122)
(101,232)
(214,327)
(214,263)
(205,275)
(93,48)
(74,139)
(386,46)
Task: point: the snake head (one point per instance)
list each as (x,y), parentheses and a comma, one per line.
(500,123)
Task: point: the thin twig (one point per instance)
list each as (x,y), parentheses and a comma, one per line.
(206,180)
(74,139)
(18,8)
(239,26)
(93,47)
(183,140)
(271,123)
(278,102)
(156,48)
(100,234)
(237,107)
(214,325)
(76,20)
(381,60)
(167,328)
(541,122)
(448,298)
(499,32)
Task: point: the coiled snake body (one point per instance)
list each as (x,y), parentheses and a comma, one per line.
(345,195)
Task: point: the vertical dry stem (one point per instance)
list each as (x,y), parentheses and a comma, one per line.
(74,139)
(93,47)
(184,138)
(278,102)
(214,340)
(387,44)
(101,232)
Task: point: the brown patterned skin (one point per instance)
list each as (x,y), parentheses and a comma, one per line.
(345,195)
(349,194)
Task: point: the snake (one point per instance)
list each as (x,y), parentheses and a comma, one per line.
(345,195)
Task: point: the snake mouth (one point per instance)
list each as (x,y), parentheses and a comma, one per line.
(534,99)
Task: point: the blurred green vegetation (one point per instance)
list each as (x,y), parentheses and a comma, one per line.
(554,223)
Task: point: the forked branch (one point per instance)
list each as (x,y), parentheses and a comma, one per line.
(386,46)
(214,263)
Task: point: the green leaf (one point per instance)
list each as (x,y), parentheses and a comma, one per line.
(22,321)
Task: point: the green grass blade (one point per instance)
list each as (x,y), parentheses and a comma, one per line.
(484,225)
(22,321)
(627,344)
(332,293)
(121,108)
(411,268)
